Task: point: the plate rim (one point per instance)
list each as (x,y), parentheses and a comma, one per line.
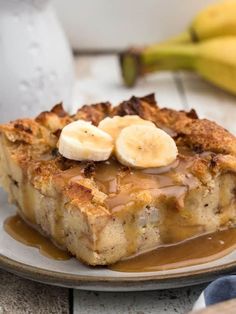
(73,280)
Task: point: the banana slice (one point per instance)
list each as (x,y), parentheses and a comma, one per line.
(80,140)
(114,125)
(143,146)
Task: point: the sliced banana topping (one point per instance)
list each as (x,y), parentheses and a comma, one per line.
(114,125)
(143,146)
(80,140)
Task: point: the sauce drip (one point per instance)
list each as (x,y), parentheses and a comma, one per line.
(199,250)
(121,184)
(128,190)
(20,231)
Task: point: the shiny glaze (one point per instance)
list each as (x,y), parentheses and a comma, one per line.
(130,190)
(199,250)
(121,184)
(22,232)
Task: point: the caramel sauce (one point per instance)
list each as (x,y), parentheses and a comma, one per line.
(199,250)
(22,232)
(120,183)
(123,184)
(129,190)
(27,203)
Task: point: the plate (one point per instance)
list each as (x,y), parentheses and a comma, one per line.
(27,262)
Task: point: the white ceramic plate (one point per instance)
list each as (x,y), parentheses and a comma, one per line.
(29,263)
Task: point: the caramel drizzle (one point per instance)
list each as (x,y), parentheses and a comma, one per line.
(122,185)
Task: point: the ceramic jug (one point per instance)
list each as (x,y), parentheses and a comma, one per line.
(36,64)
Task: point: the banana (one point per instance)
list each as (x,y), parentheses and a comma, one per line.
(139,145)
(218,19)
(214,60)
(114,125)
(215,20)
(80,140)
(144,146)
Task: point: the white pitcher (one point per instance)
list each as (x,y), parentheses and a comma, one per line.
(36,64)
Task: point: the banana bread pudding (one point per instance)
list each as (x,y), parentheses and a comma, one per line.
(104,211)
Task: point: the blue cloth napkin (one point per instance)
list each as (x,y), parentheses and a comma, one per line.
(222,289)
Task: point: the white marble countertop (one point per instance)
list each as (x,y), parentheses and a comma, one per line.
(98,79)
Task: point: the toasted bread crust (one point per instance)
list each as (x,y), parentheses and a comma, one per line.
(36,139)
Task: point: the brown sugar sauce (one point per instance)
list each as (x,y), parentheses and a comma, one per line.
(121,185)
(22,232)
(199,250)
(129,190)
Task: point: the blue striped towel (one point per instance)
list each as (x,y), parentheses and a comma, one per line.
(222,289)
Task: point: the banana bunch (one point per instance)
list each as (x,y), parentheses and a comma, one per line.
(208,47)
(216,20)
(135,142)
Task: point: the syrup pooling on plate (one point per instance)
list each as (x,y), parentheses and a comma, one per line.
(194,251)
(199,250)
(22,232)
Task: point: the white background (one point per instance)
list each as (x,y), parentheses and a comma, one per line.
(114,24)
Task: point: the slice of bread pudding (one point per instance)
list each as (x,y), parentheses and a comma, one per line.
(103,212)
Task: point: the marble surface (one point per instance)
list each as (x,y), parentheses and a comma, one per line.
(172,301)
(18,295)
(98,79)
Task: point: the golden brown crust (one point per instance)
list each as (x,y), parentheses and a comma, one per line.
(34,141)
(94,113)
(197,134)
(25,130)
(76,191)
(55,119)
(145,107)
(205,135)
